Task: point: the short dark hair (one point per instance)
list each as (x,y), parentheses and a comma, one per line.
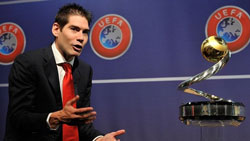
(64,12)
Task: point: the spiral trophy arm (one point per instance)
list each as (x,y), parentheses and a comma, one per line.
(184,86)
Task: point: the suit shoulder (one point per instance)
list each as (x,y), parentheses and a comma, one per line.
(33,55)
(36,52)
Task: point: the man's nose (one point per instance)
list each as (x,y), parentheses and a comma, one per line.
(80,40)
(80,37)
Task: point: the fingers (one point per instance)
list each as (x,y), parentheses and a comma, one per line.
(112,136)
(73,100)
(85,115)
(84,110)
(118,133)
(78,110)
(89,120)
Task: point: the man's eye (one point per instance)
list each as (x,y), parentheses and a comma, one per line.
(75,29)
(85,31)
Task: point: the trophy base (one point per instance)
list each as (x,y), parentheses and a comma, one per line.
(212,113)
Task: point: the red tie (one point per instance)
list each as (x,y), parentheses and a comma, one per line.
(70,133)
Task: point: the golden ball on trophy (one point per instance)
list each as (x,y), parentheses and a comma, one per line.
(214,48)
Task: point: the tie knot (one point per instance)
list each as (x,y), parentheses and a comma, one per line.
(67,67)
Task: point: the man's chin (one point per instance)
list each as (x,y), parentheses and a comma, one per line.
(76,53)
(71,55)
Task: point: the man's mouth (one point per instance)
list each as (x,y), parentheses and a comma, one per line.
(77,48)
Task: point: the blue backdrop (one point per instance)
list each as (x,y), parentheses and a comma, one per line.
(138,91)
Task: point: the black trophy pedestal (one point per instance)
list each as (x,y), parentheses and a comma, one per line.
(212,113)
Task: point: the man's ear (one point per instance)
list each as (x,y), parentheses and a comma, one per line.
(55,29)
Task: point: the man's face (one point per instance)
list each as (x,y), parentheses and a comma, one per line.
(71,39)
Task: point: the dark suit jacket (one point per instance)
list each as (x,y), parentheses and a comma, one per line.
(34,92)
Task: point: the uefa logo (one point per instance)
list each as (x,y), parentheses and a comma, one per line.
(12,42)
(232,24)
(110,36)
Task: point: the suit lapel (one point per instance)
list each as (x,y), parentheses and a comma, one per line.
(76,75)
(51,72)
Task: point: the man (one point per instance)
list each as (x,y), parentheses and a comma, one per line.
(41,104)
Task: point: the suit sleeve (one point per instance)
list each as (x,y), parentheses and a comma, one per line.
(22,90)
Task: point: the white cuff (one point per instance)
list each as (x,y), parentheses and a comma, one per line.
(47,120)
(97,137)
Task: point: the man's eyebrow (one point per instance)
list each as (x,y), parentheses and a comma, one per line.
(74,26)
(84,30)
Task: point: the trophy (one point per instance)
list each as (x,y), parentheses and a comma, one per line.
(216,111)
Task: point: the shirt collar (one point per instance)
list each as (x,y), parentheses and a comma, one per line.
(58,56)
